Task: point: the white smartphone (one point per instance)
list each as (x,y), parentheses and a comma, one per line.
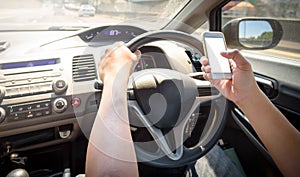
(214,43)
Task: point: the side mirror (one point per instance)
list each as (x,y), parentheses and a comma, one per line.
(252,33)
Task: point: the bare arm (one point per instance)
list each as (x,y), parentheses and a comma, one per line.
(280,138)
(110,151)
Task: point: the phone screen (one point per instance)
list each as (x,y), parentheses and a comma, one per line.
(218,63)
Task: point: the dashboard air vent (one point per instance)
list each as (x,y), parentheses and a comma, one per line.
(84,68)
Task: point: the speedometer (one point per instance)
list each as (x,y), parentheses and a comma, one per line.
(111,34)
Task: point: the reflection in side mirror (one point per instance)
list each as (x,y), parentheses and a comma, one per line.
(255,34)
(252,33)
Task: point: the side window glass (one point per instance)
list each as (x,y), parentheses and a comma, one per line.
(286,12)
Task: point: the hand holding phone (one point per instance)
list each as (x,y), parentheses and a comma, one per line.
(214,43)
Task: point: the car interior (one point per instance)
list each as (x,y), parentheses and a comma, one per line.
(50,88)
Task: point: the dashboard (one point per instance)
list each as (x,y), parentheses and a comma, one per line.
(47,84)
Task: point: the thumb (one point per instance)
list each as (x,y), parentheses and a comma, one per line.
(138,54)
(237,57)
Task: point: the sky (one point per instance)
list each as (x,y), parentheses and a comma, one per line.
(253,28)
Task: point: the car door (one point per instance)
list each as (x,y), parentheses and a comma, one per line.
(276,71)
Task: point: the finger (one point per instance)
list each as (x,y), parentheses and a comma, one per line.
(236,56)
(205,76)
(113,48)
(117,45)
(204,60)
(206,69)
(232,64)
(208,77)
(106,51)
(138,54)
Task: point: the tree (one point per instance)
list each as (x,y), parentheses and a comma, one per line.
(266,36)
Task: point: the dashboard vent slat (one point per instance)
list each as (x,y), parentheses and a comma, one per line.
(84,68)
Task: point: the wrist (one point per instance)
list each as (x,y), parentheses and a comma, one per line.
(116,75)
(253,95)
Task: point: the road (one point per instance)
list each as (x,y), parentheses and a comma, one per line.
(30,12)
(46,13)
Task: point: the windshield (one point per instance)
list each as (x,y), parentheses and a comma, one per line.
(73,14)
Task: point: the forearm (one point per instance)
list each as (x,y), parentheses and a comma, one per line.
(111,146)
(280,138)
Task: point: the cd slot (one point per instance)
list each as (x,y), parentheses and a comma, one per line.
(29,72)
(26,90)
(29,79)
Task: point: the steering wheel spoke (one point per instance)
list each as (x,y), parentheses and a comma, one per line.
(161,139)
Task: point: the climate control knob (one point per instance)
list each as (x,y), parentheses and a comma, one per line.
(60,105)
(2,114)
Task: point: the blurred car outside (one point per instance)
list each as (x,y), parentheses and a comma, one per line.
(87,10)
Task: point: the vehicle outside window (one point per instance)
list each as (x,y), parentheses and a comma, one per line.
(287,13)
(87,10)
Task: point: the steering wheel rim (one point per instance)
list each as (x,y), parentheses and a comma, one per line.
(185,155)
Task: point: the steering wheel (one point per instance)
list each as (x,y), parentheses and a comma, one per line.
(163,101)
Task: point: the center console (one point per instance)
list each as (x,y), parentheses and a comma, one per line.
(40,102)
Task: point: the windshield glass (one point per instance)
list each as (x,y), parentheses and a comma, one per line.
(73,14)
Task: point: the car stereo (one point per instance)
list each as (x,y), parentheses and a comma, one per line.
(32,89)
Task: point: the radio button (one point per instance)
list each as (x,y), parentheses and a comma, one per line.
(11,109)
(38,114)
(47,112)
(29,115)
(24,91)
(34,89)
(17,116)
(47,104)
(45,88)
(59,86)
(20,109)
(29,107)
(12,92)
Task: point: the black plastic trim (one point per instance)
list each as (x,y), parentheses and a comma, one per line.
(238,117)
